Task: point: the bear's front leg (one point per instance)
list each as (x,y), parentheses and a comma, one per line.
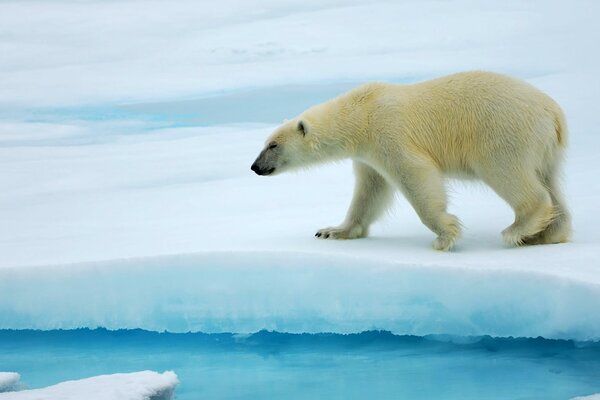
(423,186)
(372,197)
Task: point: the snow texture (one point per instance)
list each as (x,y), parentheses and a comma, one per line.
(592,397)
(9,381)
(127,199)
(144,385)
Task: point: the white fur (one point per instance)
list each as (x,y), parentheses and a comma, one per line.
(474,125)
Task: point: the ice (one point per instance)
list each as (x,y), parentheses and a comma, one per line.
(127,199)
(144,385)
(592,397)
(193,241)
(9,381)
(246,291)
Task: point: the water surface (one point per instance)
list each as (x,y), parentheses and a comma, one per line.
(271,365)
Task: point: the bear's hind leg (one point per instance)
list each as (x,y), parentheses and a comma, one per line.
(423,186)
(559,229)
(372,197)
(529,199)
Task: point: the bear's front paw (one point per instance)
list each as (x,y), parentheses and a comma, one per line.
(449,235)
(342,232)
(444,243)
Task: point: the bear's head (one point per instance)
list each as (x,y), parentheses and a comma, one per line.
(315,136)
(330,131)
(285,149)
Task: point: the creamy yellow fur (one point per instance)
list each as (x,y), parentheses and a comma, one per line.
(474,125)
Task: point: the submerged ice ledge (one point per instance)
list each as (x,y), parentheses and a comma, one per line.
(290,292)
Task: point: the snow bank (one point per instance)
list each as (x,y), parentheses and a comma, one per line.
(9,381)
(144,385)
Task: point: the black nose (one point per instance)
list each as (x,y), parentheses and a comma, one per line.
(261,171)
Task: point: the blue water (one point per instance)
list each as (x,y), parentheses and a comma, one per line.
(271,365)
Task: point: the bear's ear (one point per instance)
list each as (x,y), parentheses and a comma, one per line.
(302,128)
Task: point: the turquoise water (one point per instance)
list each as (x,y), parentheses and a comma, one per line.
(271,365)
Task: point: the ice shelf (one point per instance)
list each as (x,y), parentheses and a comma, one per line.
(245,292)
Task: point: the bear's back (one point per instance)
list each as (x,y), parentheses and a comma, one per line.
(467,117)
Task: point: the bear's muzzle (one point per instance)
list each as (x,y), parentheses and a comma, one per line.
(261,171)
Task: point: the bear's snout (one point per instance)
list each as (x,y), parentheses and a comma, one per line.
(261,171)
(265,162)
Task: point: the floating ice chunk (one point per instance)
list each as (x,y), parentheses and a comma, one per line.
(144,385)
(592,397)
(9,381)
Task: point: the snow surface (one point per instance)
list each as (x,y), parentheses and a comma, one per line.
(592,397)
(70,53)
(120,209)
(144,385)
(9,381)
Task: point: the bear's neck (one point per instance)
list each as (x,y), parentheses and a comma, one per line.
(348,131)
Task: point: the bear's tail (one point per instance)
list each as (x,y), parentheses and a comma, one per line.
(560,124)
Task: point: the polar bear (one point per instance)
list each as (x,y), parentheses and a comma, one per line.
(473,125)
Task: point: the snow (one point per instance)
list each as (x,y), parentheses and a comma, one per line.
(69,53)
(592,397)
(144,385)
(127,198)
(9,381)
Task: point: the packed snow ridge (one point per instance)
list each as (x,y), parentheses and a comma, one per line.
(144,385)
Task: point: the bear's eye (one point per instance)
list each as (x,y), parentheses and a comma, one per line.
(272,145)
